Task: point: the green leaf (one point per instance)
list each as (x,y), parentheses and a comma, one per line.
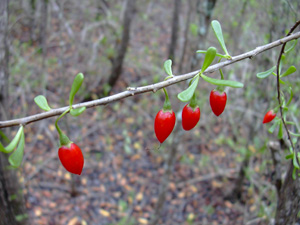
(41,101)
(291,96)
(2,149)
(289,71)
(13,144)
(290,123)
(78,111)
(209,57)
(4,137)
(290,156)
(15,159)
(168,67)
(265,74)
(295,162)
(280,63)
(75,87)
(273,127)
(217,54)
(218,32)
(292,47)
(229,83)
(294,173)
(187,94)
(280,131)
(294,134)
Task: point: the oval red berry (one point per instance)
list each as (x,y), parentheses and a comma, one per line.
(164,124)
(217,102)
(71,158)
(190,117)
(270,115)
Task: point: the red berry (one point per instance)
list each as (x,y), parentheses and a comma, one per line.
(190,117)
(71,158)
(270,115)
(164,124)
(217,102)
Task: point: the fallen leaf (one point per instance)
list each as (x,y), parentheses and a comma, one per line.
(104,213)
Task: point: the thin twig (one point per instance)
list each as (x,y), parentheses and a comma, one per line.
(278,83)
(210,176)
(149,88)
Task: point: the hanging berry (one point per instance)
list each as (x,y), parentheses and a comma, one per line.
(190,114)
(71,158)
(217,101)
(165,120)
(270,115)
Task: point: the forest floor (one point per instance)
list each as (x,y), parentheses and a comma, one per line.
(124,165)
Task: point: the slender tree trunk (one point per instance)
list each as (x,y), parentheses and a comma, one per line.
(117,63)
(12,208)
(174,36)
(43,23)
(32,19)
(288,205)
(185,38)
(3,53)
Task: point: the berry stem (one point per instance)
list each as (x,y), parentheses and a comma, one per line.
(193,102)
(63,139)
(167,103)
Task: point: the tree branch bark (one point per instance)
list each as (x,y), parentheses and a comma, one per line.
(131,91)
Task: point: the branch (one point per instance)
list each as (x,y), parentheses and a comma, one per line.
(278,83)
(131,91)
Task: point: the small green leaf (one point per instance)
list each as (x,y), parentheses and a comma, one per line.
(292,47)
(209,57)
(187,94)
(13,144)
(290,156)
(75,87)
(4,137)
(273,127)
(281,81)
(217,54)
(294,173)
(280,63)
(295,162)
(168,67)
(2,149)
(294,134)
(229,83)
(265,74)
(15,159)
(218,32)
(78,111)
(289,71)
(290,123)
(291,96)
(280,131)
(41,101)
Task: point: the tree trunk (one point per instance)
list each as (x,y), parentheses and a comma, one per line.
(3,53)
(122,47)
(12,208)
(43,23)
(185,37)
(204,10)
(288,205)
(174,36)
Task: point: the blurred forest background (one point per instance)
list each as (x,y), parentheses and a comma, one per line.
(221,172)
